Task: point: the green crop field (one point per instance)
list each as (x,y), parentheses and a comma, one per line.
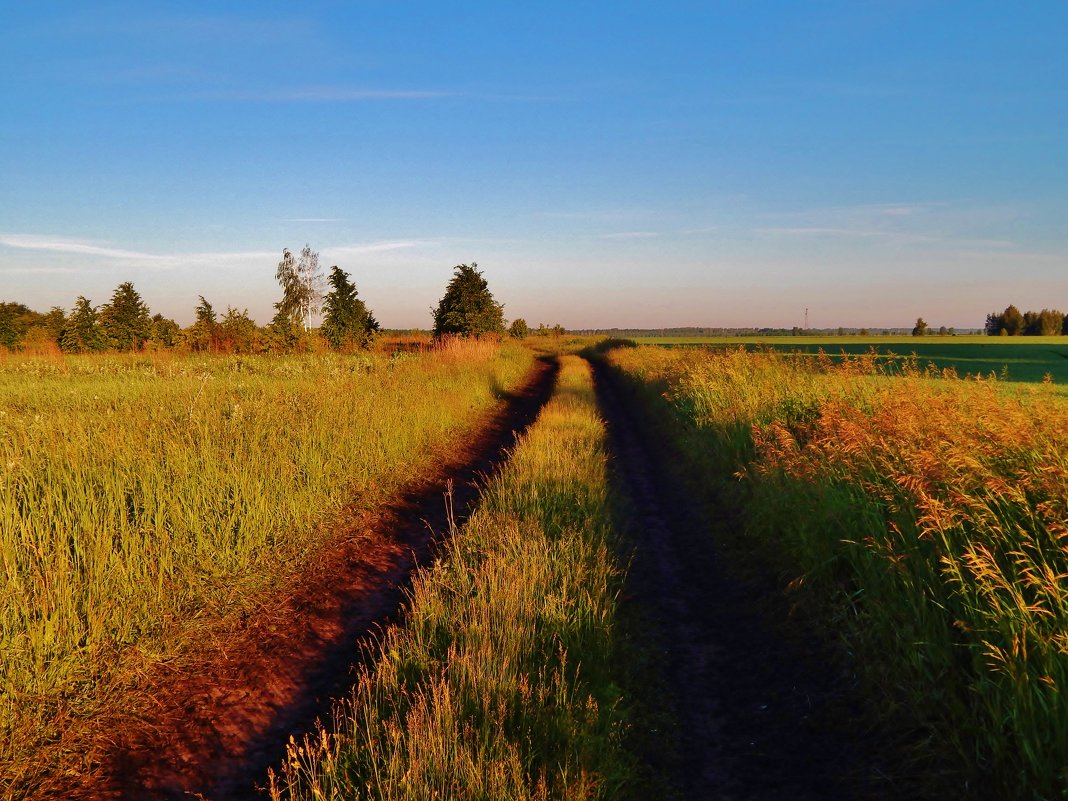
(1020,359)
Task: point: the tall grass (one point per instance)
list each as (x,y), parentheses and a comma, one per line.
(928,514)
(143,495)
(499,684)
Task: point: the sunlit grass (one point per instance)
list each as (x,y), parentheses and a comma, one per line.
(499,684)
(143,495)
(927,513)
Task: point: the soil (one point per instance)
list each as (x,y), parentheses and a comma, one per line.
(221,717)
(750,706)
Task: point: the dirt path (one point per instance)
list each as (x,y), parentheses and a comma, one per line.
(223,718)
(758,711)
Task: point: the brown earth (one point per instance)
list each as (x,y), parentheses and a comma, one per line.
(749,704)
(220,714)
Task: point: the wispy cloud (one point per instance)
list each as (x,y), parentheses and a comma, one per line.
(159,261)
(55,244)
(813,230)
(41,270)
(311,220)
(372,247)
(63,245)
(630,235)
(889,235)
(939,225)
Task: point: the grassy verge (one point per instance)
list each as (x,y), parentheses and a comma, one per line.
(924,515)
(500,683)
(143,497)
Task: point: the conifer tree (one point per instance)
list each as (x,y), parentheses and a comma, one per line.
(82,333)
(468,307)
(347,322)
(204,333)
(125,321)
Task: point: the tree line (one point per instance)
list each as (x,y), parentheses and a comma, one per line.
(1012,322)
(125,323)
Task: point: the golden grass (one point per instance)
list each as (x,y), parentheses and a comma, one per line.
(143,495)
(499,682)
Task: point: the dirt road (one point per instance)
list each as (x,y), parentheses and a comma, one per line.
(754,709)
(223,715)
(760,712)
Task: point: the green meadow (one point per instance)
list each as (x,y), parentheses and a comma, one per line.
(1018,359)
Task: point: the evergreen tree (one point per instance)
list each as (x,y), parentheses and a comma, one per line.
(993,324)
(468,307)
(347,322)
(125,321)
(283,333)
(82,332)
(53,322)
(204,333)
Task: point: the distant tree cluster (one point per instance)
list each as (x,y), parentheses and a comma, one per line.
(126,324)
(520,330)
(921,329)
(1013,323)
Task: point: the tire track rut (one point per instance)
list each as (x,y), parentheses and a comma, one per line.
(759,711)
(221,718)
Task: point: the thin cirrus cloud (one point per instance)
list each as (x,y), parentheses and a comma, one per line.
(900,237)
(63,245)
(51,244)
(630,235)
(373,247)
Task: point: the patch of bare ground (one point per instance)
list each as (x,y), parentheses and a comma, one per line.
(746,705)
(210,722)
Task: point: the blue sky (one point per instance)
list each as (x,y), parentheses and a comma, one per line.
(606,164)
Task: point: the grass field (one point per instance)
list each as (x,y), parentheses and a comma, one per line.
(1025,359)
(918,516)
(925,516)
(142,497)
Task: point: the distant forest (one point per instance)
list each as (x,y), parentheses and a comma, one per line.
(125,324)
(796,331)
(1013,323)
